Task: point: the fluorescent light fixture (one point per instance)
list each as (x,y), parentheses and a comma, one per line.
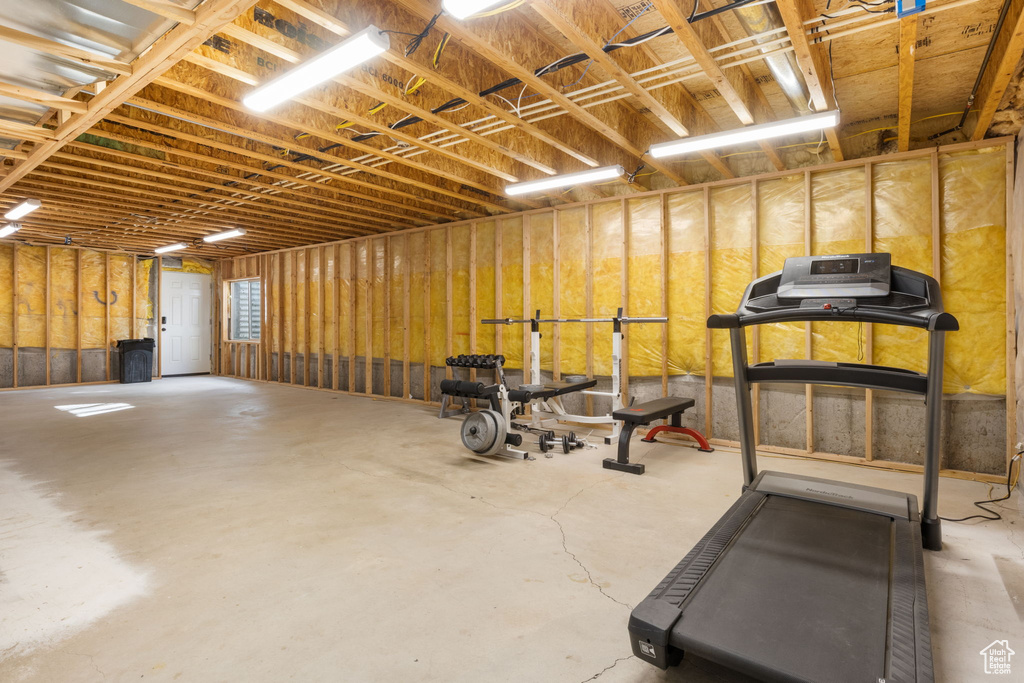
(170,247)
(355,50)
(23,209)
(763,131)
(223,235)
(581,178)
(9,229)
(461,9)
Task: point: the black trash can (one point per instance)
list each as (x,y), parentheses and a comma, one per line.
(136,359)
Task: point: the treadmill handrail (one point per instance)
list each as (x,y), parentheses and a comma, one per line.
(930,316)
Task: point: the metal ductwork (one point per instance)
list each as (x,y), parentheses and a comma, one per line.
(757,19)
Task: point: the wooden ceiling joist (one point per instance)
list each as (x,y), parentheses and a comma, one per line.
(44,98)
(1006,54)
(737,86)
(127,206)
(584,26)
(426,70)
(301,146)
(270,214)
(908,46)
(347,115)
(191,206)
(813,64)
(499,56)
(258,188)
(270,47)
(169,49)
(272,202)
(282,143)
(166,9)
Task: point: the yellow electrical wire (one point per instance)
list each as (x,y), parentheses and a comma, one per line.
(499,10)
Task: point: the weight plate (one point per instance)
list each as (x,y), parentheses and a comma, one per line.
(484,432)
(565,443)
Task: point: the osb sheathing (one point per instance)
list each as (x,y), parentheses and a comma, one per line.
(416,267)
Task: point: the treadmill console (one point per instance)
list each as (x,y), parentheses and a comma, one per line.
(840,276)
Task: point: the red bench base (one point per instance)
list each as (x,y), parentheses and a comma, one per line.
(692,433)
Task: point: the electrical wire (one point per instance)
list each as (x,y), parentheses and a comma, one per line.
(992,515)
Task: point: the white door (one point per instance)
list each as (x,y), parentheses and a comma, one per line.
(186,323)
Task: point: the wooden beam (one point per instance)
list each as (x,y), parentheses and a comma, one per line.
(450,85)
(501,57)
(908,46)
(812,62)
(19,92)
(73,54)
(1006,53)
(162,55)
(166,9)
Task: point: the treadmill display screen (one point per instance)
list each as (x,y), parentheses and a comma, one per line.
(834,266)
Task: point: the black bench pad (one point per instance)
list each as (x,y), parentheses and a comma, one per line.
(560,388)
(648,412)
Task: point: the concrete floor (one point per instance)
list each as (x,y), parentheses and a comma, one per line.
(222,530)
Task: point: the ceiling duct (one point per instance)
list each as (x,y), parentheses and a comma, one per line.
(759,20)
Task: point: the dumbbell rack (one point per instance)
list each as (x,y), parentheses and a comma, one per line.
(551,409)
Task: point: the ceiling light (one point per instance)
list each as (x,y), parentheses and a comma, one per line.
(763,131)
(223,235)
(170,247)
(358,48)
(9,229)
(461,9)
(23,209)
(581,178)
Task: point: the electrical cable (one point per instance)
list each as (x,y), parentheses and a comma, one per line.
(992,515)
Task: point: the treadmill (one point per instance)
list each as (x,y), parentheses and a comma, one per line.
(807,579)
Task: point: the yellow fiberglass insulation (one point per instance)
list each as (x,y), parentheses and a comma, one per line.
(780,213)
(607,278)
(542,296)
(572,290)
(485,287)
(644,285)
(511,290)
(731,266)
(687,338)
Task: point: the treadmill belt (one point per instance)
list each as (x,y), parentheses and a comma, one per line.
(802,592)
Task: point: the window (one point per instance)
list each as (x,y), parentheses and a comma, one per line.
(244,310)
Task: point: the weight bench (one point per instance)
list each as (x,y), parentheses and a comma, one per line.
(644,414)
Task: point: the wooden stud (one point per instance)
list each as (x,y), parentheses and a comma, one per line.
(406,316)
(936,218)
(106,306)
(449,337)
(336,358)
(371,271)
(159,260)
(321,310)
(755,258)
(588,255)
(664,246)
(46,317)
(556,338)
(808,335)
(79,315)
(15,316)
(282,318)
(499,336)
(353,276)
(307,327)
(1007,48)
(709,368)
(295,316)
(626,226)
(472,296)
(527,301)
(1011,305)
(388,274)
(869,328)
(426,317)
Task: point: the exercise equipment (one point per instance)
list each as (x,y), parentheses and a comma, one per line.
(806,579)
(549,408)
(468,391)
(644,414)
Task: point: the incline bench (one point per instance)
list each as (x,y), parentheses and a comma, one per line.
(644,414)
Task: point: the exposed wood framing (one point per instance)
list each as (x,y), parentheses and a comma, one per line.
(211,15)
(813,64)
(19,92)
(908,48)
(1006,54)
